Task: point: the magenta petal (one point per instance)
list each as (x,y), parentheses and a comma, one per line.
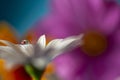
(70,66)
(56,26)
(53,26)
(63,9)
(98,6)
(117,37)
(61,6)
(111,19)
(75,11)
(98,14)
(97,10)
(107,67)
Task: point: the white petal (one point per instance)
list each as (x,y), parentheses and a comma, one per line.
(12,45)
(70,43)
(12,53)
(59,46)
(42,42)
(10,56)
(15,47)
(54,43)
(40,46)
(51,48)
(27,49)
(9,53)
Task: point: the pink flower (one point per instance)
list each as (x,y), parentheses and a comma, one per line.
(99,20)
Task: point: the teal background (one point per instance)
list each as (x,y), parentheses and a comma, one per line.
(22,14)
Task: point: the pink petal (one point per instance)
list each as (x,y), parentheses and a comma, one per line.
(77,11)
(62,8)
(108,66)
(95,11)
(111,19)
(56,26)
(98,14)
(117,37)
(97,6)
(71,66)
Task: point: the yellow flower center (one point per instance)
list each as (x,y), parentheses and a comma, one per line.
(94,43)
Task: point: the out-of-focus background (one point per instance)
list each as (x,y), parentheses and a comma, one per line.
(22,14)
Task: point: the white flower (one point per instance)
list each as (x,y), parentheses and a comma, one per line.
(39,54)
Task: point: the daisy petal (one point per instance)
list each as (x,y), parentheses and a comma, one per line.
(7,53)
(54,42)
(14,46)
(10,56)
(27,49)
(10,44)
(58,46)
(71,42)
(42,42)
(40,46)
(51,48)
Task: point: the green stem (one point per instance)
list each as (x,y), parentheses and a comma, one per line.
(33,72)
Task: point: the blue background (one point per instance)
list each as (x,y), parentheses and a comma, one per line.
(22,13)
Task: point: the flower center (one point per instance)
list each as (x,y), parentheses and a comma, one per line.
(94,43)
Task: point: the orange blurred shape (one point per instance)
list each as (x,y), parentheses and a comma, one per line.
(31,36)
(49,70)
(7,32)
(48,39)
(5,74)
